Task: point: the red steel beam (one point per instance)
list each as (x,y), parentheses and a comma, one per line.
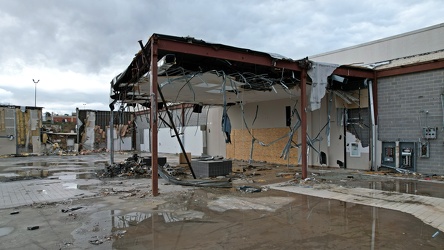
(304,122)
(354,72)
(226,54)
(407,69)
(153,118)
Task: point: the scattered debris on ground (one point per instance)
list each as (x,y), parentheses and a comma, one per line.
(219,183)
(70,209)
(249,189)
(133,166)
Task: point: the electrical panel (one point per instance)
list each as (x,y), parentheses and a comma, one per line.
(389,154)
(406,158)
(429,133)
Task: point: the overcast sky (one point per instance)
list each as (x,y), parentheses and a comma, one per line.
(75,47)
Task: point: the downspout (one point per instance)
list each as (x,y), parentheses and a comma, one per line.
(111,136)
(372,119)
(442,105)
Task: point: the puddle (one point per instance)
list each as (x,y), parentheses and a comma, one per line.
(42,191)
(304,223)
(70,185)
(70,176)
(110,225)
(62,174)
(5,231)
(270,204)
(8,175)
(415,187)
(59,163)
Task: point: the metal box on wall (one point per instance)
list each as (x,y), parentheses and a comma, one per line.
(399,154)
(388,154)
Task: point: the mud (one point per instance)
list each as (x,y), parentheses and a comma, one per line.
(124,215)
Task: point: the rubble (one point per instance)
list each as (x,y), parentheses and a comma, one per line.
(249,189)
(132,166)
(70,209)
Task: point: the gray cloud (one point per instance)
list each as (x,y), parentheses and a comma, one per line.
(99,38)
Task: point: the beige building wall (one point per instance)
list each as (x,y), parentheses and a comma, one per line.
(411,43)
(270,125)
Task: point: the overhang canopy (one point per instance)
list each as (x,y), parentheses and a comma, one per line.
(194,71)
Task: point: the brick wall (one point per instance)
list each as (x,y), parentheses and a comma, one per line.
(402,105)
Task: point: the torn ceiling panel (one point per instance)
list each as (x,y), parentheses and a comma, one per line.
(319,74)
(209,88)
(193,71)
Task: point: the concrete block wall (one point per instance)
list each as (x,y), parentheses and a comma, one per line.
(406,104)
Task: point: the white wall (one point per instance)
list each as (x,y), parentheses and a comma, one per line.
(412,43)
(120,143)
(192,139)
(214,137)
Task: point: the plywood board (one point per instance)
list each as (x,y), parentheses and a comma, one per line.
(241,145)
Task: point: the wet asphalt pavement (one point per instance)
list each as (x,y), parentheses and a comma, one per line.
(120,213)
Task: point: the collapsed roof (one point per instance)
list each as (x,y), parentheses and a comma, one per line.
(195,71)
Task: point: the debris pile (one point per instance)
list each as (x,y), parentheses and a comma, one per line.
(133,166)
(250,189)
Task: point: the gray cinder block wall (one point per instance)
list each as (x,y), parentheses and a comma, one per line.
(406,104)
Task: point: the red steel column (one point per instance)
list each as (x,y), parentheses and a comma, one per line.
(304,121)
(153,119)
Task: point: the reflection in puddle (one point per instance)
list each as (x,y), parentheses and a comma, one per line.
(51,174)
(9,174)
(70,185)
(5,231)
(415,187)
(69,176)
(72,163)
(305,223)
(131,219)
(44,167)
(110,225)
(43,191)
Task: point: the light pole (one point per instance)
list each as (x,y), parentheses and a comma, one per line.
(35,91)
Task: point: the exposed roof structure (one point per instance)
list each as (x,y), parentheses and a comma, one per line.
(172,69)
(194,71)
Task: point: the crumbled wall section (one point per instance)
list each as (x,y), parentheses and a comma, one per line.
(240,147)
(28,126)
(402,102)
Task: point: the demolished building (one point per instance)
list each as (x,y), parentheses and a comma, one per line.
(20,129)
(258,101)
(94,134)
(266,107)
